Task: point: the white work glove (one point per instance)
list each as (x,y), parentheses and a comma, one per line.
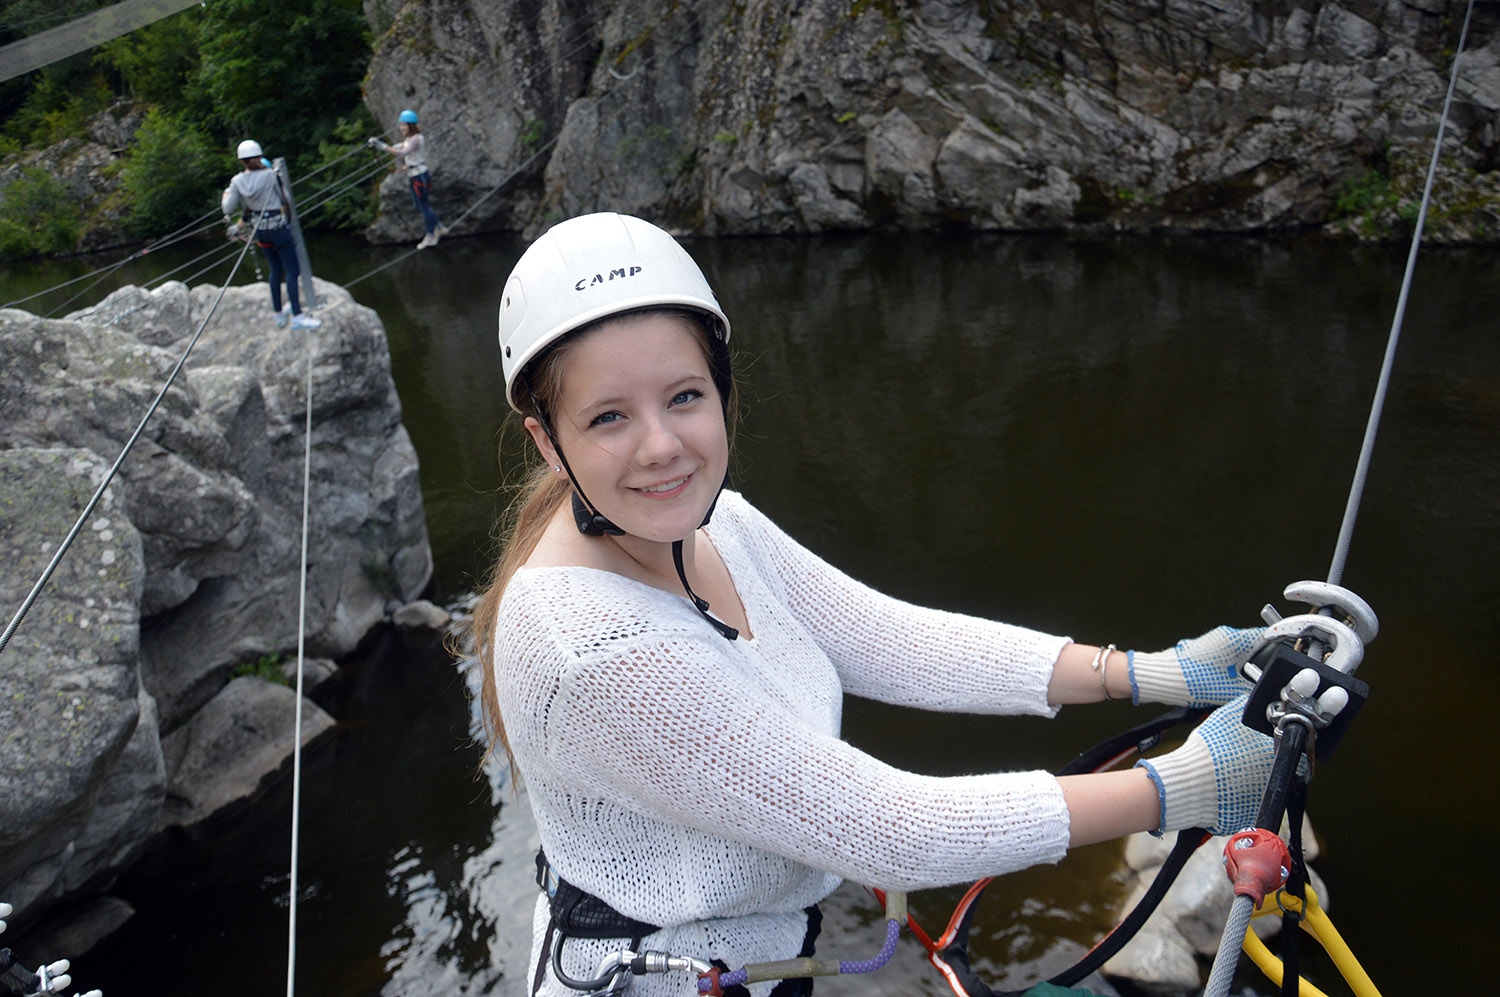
(1217,779)
(233,231)
(1202,671)
(374,143)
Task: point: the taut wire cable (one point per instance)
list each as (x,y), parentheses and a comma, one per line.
(291,961)
(1362,467)
(109,476)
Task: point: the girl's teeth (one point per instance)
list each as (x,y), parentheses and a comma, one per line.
(666,487)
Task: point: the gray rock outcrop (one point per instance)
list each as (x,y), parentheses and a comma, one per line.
(88,169)
(763,117)
(121,714)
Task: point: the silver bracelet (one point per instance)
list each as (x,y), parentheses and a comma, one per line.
(1101,665)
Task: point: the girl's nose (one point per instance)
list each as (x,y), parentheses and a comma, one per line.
(658,444)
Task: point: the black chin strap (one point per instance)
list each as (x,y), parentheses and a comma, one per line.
(592,523)
(725,630)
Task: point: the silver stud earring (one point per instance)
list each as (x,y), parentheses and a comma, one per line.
(557,468)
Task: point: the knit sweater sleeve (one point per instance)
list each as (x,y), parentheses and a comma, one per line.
(893,651)
(678,725)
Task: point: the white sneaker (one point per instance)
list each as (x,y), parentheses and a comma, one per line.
(427,240)
(305,321)
(441,230)
(281,318)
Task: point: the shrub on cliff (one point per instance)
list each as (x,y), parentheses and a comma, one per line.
(37,216)
(172,174)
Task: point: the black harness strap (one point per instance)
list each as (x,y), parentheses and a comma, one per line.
(576,913)
(1296,885)
(956,955)
(1137,739)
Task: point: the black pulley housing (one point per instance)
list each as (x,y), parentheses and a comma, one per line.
(1278,663)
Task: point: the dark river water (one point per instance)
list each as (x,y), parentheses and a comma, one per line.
(1122,440)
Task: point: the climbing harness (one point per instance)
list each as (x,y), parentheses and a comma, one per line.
(577,914)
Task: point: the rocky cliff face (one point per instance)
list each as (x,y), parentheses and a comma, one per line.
(758,117)
(120,715)
(88,168)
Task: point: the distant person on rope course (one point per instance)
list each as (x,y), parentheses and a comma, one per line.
(256,191)
(691,789)
(412,150)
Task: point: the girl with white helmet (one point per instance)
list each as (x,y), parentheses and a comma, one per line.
(256,191)
(412,151)
(666,668)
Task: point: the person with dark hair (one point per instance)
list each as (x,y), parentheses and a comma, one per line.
(665,667)
(412,151)
(256,192)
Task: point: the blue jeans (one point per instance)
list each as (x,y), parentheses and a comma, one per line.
(420,185)
(281,254)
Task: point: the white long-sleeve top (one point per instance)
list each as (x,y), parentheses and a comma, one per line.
(413,153)
(701,784)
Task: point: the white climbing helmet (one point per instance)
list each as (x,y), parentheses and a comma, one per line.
(589,267)
(249,149)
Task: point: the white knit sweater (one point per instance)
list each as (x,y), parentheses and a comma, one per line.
(701,784)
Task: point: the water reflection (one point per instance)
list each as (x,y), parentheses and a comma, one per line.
(1123,440)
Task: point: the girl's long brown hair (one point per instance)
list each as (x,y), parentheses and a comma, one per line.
(541,495)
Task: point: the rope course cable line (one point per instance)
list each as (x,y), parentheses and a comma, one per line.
(291,962)
(203,223)
(209,220)
(109,476)
(1377,406)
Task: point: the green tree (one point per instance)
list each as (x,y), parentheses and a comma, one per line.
(282,71)
(37,215)
(172,174)
(58,107)
(157,63)
(346,159)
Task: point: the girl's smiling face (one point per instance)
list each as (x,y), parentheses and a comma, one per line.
(641,424)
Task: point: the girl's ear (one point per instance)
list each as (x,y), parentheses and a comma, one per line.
(542,440)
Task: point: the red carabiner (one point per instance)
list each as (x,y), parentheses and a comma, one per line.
(1258,862)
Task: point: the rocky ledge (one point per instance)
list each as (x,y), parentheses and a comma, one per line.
(135,693)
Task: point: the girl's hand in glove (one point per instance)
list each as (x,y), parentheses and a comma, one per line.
(1217,779)
(1202,671)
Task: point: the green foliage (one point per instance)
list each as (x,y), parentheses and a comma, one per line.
(157,63)
(282,71)
(57,109)
(172,175)
(344,156)
(1362,195)
(267,668)
(37,215)
(533,132)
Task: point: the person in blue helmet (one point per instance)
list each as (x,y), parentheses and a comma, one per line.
(412,150)
(256,193)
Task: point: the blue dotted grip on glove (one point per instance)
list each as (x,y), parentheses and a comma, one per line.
(1217,779)
(1198,672)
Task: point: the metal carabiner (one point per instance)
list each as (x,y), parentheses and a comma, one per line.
(1350,608)
(1346,650)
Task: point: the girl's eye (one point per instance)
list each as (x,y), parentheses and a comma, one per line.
(604,419)
(683,397)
